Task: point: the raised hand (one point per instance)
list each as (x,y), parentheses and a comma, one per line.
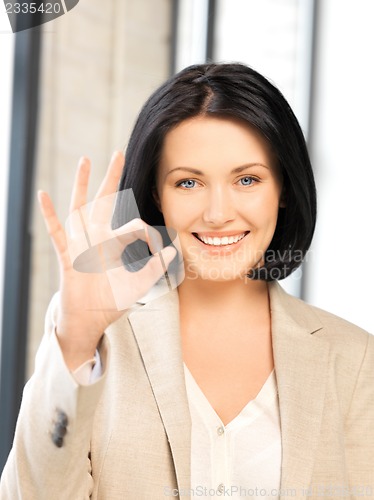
(96,295)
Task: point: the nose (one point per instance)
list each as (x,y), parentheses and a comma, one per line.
(219,207)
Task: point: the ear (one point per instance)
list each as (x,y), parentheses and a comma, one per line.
(156,198)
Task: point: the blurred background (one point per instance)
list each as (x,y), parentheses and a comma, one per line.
(74,87)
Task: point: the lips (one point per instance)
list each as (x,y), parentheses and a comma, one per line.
(220,241)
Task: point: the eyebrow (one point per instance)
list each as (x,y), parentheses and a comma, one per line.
(236,170)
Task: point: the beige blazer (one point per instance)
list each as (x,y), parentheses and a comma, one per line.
(128,434)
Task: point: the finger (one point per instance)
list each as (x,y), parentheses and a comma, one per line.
(156,266)
(110,253)
(110,182)
(154,239)
(137,229)
(100,211)
(79,193)
(141,281)
(53,225)
(131,231)
(93,251)
(114,248)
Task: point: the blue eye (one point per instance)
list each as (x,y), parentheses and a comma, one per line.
(187,184)
(247,181)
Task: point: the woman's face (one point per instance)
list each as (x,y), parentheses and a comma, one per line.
(218,186)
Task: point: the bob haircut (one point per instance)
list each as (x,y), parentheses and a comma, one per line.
(232,91)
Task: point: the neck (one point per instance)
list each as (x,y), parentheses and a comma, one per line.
(236,297)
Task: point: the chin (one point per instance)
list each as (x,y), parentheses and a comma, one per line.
(215,274)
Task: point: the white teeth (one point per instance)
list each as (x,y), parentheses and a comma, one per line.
(226,240)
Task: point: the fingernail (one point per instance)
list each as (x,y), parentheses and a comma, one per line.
(83,160)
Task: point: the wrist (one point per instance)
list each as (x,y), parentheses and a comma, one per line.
(76,350)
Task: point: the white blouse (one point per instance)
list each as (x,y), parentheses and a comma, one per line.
(241,459)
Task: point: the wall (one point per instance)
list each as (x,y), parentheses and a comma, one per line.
(6,82)
(341,273)
(98,67)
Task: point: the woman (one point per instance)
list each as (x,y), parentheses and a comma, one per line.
(179,397)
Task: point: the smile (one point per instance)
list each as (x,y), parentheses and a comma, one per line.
(215,241)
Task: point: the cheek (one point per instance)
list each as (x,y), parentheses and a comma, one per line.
(264,215)
(262,211)
(176,212)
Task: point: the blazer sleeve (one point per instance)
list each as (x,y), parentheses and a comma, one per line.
(50,457)
(360,427)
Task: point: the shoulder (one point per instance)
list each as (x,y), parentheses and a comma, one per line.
(335,322)
(341,333)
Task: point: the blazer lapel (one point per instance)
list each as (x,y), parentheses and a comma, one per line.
(156,329)
(301,354)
